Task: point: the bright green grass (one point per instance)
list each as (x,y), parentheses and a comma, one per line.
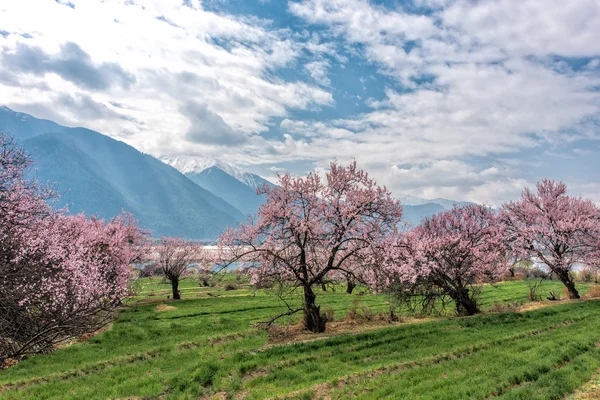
(208,345)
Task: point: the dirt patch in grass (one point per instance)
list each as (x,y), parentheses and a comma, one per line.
(90,335)
(155,300)
(257,373)
(8,362)
(165,307)
(296,333)
(214,396)
(591,390)
(536,305)
(186,346)
(214,341)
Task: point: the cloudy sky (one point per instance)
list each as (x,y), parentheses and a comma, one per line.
(463,99)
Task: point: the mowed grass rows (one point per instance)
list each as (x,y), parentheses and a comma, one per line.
(205,346)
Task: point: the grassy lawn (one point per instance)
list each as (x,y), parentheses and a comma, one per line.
(205,346)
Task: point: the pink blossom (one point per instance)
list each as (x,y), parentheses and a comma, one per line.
(310,228)
(60,275)
(555,229)
(174,255)
(445,256)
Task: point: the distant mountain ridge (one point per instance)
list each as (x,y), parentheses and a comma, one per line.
(409,200)
(102,176)
(231,183)
(416,208)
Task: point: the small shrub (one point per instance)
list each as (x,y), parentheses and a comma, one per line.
(505,307)
(231,286)
(329,315)
(264,284)
(205,280)
(392,314)
(367,314)
(359,312)
(573,275)
(507,276)
(352,313)
(522,273)
(239,276)
(593,293)
(134,287)
(533,292)
(586,275)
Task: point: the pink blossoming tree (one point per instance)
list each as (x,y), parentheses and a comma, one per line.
(174,258)
(311,227)
(60,276)
(555,229)
(446,257)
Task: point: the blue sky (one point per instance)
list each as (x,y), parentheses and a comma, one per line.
(470,100)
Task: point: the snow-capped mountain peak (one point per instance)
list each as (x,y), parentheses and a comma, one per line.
(195,165)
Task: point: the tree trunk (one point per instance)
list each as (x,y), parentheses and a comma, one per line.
(566,278)
(175,287)
(313,320)
(465,305)
(323,287)
(350,286)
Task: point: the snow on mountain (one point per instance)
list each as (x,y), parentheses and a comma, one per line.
(195,165)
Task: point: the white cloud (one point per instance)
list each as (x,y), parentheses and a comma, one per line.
(532,27)
(474,84)
(492,86)
(318,71)
(177,54)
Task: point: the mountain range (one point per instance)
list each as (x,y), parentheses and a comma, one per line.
(409,200)
(416,208)
(188,196)
(102,176)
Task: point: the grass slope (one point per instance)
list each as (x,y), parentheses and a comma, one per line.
(205,346)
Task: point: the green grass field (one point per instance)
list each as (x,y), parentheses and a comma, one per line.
(205,346)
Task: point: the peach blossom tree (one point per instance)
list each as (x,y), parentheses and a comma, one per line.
(311,227)
(174,258)
(551,227)
(60,275)
(444,258)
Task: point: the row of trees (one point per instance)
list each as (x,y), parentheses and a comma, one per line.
(60,276)
(344,226)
